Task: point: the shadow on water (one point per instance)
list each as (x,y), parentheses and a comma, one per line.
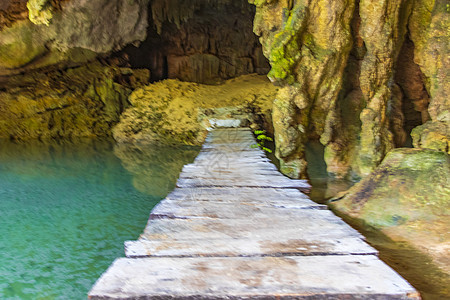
(323,187)
(67,208)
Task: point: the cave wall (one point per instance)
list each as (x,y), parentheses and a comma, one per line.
(41,33)
(53,83)
(356,75)
(46,45)
(200,41)
(78,102)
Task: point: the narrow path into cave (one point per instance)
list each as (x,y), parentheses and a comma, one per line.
(236,228)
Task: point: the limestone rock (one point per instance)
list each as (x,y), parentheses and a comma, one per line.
(77,33)
(429,26)
(356,75)
(407,198)
(433,134)
(176,112)
(200,41)
(307,43)
(79,102)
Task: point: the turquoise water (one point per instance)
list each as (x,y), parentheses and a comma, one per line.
(65,211)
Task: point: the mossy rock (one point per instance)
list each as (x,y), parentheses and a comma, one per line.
(79,102)
(18,47)
(407,197)
(176,112)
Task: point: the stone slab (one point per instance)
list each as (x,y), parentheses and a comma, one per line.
(277,198)
(225,122)
(225,166)
(239,194)
(291,277)
(227,169)
(185,209)
(252,246)
(307,225)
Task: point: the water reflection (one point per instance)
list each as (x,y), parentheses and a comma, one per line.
(155,169)
(323,187)
(67,208)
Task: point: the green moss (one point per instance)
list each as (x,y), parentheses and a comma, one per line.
(258,3)
(318,52)
(286,47)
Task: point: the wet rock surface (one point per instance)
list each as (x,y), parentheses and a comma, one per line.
(407,198)
(78,102)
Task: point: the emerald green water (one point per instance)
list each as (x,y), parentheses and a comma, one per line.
(65,211)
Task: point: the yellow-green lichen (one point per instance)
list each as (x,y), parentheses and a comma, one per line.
(40,11)
(285,51)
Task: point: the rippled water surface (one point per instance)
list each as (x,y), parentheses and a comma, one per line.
(65,211)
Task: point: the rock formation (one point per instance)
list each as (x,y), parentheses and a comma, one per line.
(407,198)
(200,41)
(78,102)
(176,112)
(77,33)
(356,75)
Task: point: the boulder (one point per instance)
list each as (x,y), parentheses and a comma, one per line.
(407,198)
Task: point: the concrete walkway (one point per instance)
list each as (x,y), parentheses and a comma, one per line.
(235,228)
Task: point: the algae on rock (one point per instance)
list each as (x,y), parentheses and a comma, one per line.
(79,102)
(40,11)
(337,65)
(307,43)
(176,112)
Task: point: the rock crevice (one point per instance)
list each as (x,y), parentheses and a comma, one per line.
(356,75)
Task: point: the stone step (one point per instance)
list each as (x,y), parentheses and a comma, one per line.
(280,182)
(230,194)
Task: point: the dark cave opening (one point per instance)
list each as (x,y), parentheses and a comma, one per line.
(149,55)
(213,44)
(411,94)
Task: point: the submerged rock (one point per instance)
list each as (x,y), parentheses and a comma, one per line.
(172,111)
(407,197)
